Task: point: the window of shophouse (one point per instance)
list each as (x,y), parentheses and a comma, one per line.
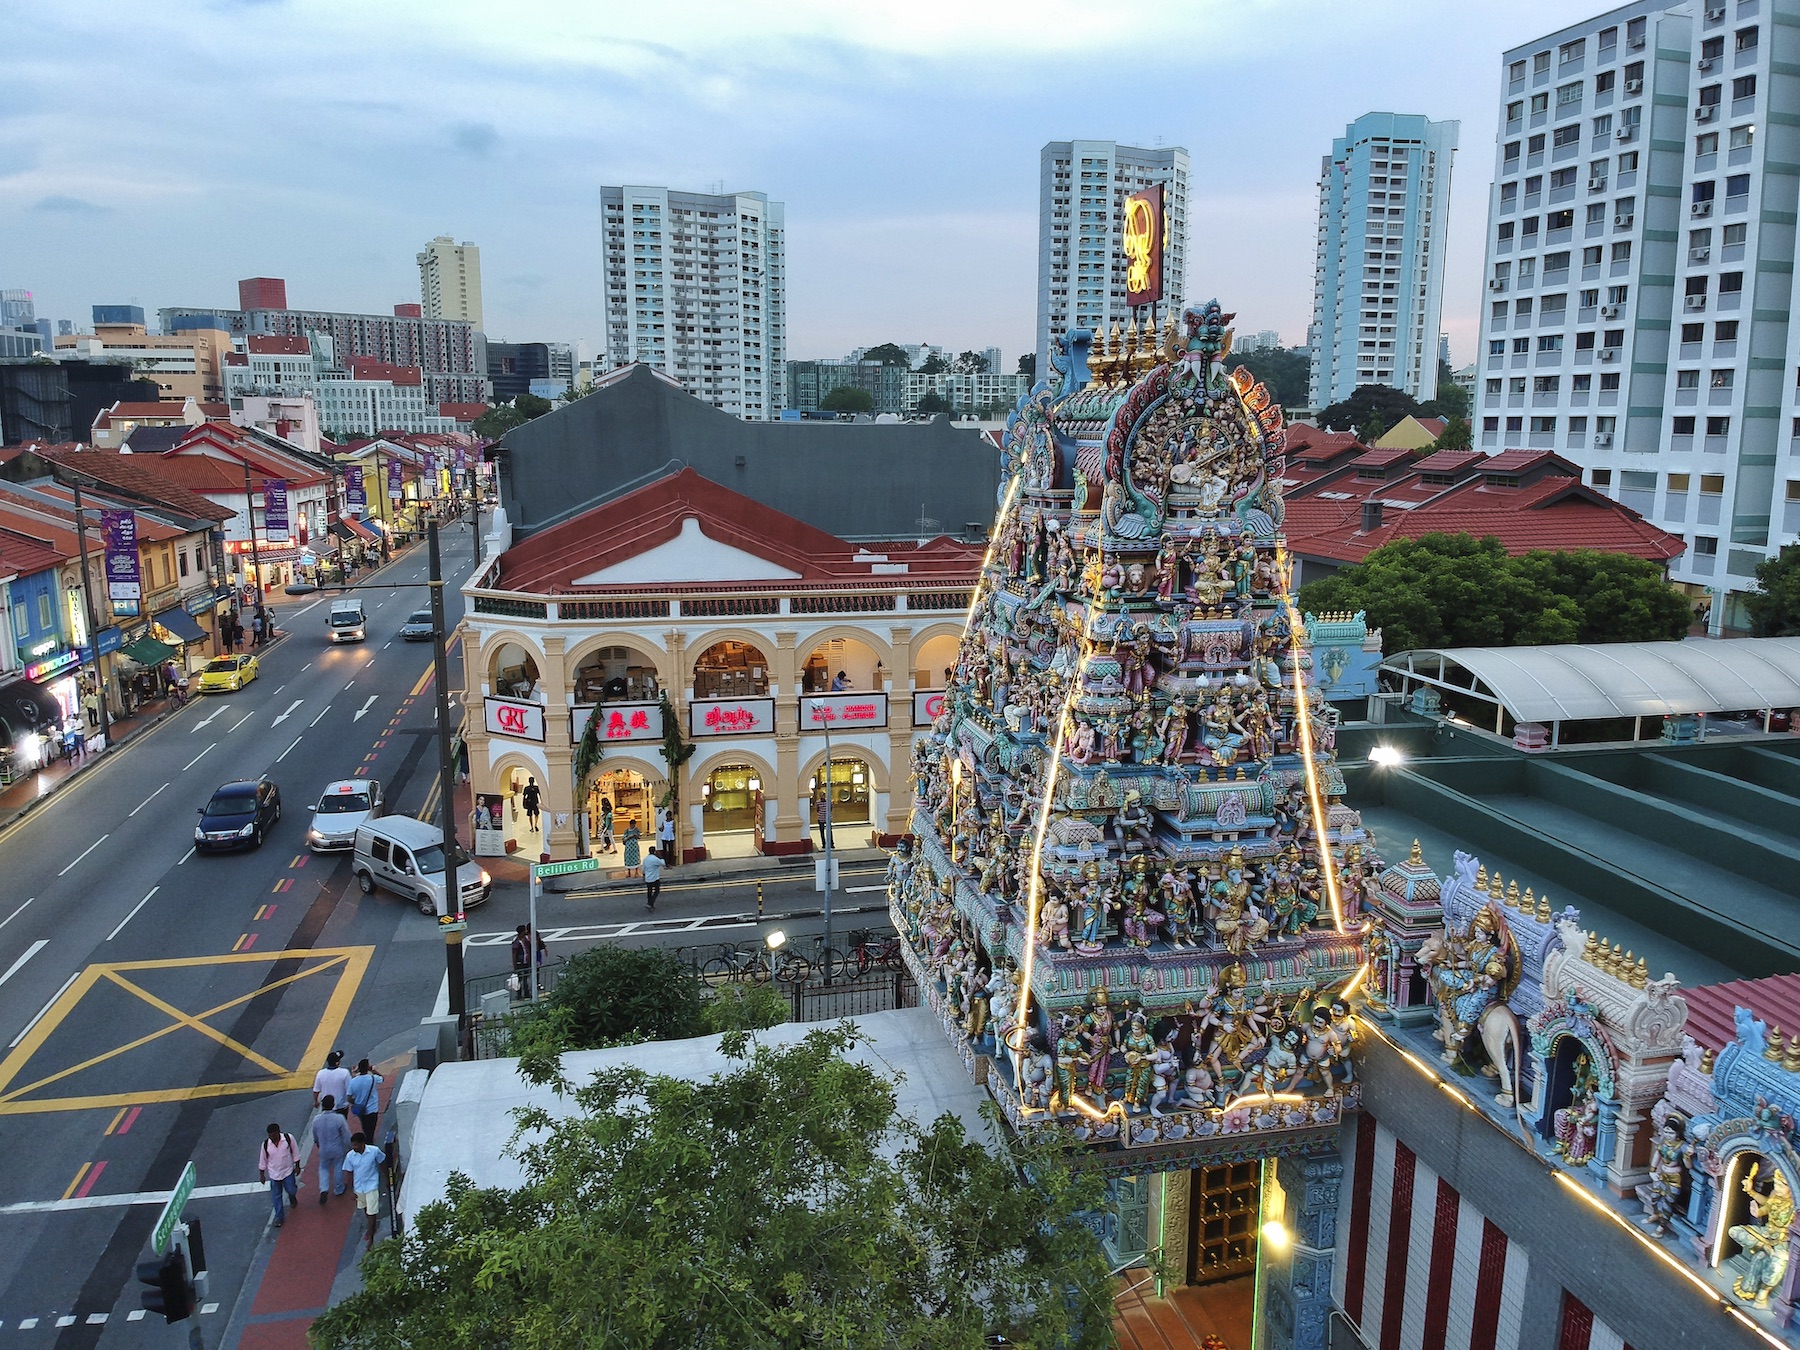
(633,801)
(842,663)
(615,674)
(730,670)
(733,795)
(515,672)
(849,780)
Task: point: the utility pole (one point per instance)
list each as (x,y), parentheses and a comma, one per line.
(453,952)
(87,595)
(255,556)
(824,713)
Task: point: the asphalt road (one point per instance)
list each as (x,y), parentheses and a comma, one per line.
(157,1007)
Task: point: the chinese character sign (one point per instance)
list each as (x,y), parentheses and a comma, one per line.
(618,722)
(353,487)
(124,581)
(731,716)
(275,509)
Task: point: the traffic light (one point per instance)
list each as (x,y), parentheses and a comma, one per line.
(168,1293)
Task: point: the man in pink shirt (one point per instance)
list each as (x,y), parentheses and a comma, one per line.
(278,1163)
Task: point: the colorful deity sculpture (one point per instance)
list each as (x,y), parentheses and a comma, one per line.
(1765,1239)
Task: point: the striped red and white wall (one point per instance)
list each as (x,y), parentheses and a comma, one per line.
(1581,1330)
(1418,1267)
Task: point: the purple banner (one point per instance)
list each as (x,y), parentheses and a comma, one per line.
(123,579)
(275,509)
(393,478)
(431,476)
(353,487)
(462,460)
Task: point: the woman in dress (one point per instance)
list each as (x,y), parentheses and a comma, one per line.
(633,856)
(606,824)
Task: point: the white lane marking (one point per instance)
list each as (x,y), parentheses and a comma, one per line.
(30,952)
(41,1011)
(306,667)
(135,1315)
(84,852)
(365,707)
(187,855)
(278,691)
(15,914)
(858,890)
(245,718)
(96,1319)
(351,685)
(211,718)
(132,1198)
(385,646)
(310,608)
(129,917)
(284,754)
(197,758)
(315,722)
(289,713)
(141,805)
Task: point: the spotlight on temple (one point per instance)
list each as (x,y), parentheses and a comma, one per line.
(1386,756)
(1275,1235)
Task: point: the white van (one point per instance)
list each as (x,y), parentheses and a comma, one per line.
(406,856)
(348,622)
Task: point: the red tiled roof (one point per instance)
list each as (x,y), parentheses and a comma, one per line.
(368,368)
(1711,1022)
(462,412)
(143,476)
(1449,461)
(1514,461)
(653,515)
(236,359)
(53,522)
(1381,459)
(278,346)
(1435,425)
(139,412)
(24,555)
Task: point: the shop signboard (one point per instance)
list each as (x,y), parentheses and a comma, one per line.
(124,581)
(843,712)
(490,825)
(353,487)
(200,601)
(428,481)
(618,722)
(927,704)
(731,717)
(275,509)
(515,717)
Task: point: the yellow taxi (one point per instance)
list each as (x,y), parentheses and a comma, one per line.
(227,673)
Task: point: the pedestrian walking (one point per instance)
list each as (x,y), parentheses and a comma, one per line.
(256,629)
(666,836)
(532,797)
(363,1164)
(90,703)
(522,945)
(633,848)
(331,1140)
(653,870)
(278,1164)
(606,824)
(365,1097)
(332,1081)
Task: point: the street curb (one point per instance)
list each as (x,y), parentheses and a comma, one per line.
(753,869)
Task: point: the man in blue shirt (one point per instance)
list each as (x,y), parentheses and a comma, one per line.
(364,1166)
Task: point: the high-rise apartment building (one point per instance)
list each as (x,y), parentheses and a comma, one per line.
(1082,186)
(696,286)
(1384,204)
(450,280)
(1638,283)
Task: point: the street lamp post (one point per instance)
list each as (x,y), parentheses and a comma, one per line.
(453,952)
(255,557)
(824,715)
(87,596)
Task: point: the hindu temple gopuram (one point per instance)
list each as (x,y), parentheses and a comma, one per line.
(1337,1093)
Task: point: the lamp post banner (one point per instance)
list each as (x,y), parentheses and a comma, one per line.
(393,478)
(124,580)
(353,487)
(275,509)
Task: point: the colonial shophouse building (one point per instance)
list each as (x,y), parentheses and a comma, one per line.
(768,636)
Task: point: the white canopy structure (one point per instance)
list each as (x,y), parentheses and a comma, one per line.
(1575,683)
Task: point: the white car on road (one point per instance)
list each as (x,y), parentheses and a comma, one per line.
(345,805)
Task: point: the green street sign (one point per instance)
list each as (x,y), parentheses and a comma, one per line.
(563,869)
(171,1214)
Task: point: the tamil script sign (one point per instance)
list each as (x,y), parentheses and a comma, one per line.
(927,704)
(1143,246)
(123,579)
(843,712)
(618,722)
(393,478)
(731,717)
(516,718)
(275,509)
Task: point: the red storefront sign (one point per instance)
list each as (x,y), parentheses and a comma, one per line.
(619,722)
(516,718)
(927,704)
(731,717)
(843,712)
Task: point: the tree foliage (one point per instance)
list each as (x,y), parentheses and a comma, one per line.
(501,418)
(889,354)
(1452,401)
(1455,435)
(934,365)
(933,403)
(1442,590)
(847,398)
(1028,367)
(768,1207)
(1368,405)
(1774,605)
(1285,372)
(970,363)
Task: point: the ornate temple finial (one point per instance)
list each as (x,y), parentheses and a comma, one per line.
(1590,948)
(1775,1047)
(1116,367)
(1641,976)
(1790,1062)
(1131,346)
(1099,361)
(1481,877)
(1706,1059)
(1542,912)
(1528,900)
(1495,890)
(1512,893)
(1416,858)
(1172,344)
(1614,958)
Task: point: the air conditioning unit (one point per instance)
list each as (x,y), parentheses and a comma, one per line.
(1596,185)
(1700,209)
(1635,43)
(1602,438)
(1715,15)
(1609,311)
(1627,132)
(1634,86)
(1496,284)
(1699,255)
(1609,354)
(1706,112)
(1623,222)
(1696,302)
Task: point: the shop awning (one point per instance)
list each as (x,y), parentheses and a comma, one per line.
(26,707)
(181,624)
(358,530)
(341,530)
(269,556)
(147,651)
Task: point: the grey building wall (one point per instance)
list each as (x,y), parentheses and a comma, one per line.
(856,480)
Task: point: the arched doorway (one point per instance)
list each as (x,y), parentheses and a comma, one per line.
(841,663)
(618,674)
(731,669)
(513,672)
(851,785)
(933,660)
(732,797)
(505,808)
(624,797)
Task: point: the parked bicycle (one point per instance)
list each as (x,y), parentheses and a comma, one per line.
(756,966)
(870,950)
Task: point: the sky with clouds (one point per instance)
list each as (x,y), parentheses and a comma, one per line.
(154,154)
